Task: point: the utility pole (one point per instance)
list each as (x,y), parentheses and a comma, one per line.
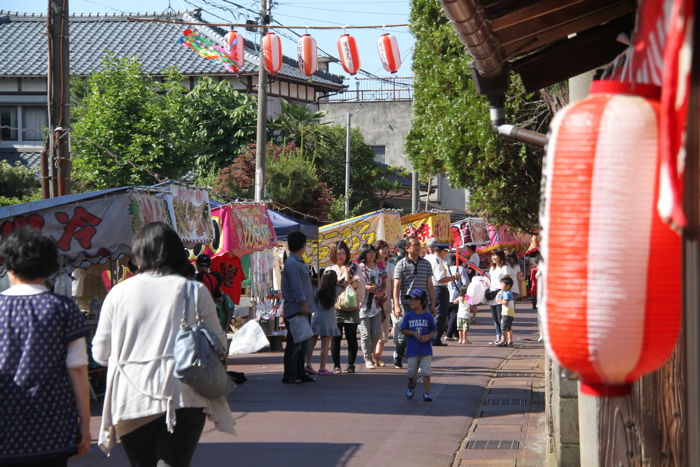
(347,166)
(415,192)
(58,83)
(261,139)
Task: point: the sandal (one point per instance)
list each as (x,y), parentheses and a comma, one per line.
(350,369)
(310,371)
(337,371)
(324,372)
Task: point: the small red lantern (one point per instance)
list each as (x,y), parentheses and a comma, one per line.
(349,56)
(233,45)
(611,307)
(307,55)
(272,49)
(389,52)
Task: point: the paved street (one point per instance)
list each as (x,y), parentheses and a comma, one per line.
(488,410)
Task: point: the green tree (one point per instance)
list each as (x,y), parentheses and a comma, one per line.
(299,125)
(127,128)
(451,131)
(18,184)
(220,123)
(291,180)
(329,155)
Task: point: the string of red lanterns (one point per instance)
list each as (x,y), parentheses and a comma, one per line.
(307,53)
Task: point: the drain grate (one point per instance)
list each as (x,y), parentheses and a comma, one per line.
(514,374)
(527,355)
(493,444)
(505,402)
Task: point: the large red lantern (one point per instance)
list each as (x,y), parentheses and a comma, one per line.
(611,305)
(233,45)
(272,49)
(349,56)
(389,52)
(307,55)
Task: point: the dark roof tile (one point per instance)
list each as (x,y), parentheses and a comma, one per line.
(153,44)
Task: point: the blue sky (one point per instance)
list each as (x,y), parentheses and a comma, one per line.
(288,12)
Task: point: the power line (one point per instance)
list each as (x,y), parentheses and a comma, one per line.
(349,11)
(227,24)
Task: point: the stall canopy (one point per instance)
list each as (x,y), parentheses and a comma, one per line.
(355,232)
(284,225)
(91,227)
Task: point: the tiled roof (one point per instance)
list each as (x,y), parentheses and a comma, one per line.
(153,44)
(27,157)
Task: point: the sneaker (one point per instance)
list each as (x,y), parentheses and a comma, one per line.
(451,338)
(510,344)
(350,369)
(409,393)
(325,372)
(337,370)
(501,344)
(426,397)
(310,371)
(370,366)
(398,364)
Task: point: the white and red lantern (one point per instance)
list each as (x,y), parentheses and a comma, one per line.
(272,49)
(389,52)
(611,307)
(233,45)
(349,56)
(307,55)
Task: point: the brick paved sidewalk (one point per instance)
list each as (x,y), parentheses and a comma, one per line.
(483,394)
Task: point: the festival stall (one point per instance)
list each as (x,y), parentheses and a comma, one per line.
(427,225)
(384,225)
(284,225)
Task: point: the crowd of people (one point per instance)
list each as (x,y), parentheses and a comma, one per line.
(414,298)
(404,295)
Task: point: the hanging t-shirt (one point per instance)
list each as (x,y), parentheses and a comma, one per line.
(231,270)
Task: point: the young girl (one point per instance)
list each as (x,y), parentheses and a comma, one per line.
(324,322)
(464,303)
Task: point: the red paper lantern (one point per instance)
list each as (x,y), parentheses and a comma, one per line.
(307,55)
(272,49)
(349,56)
(611,278)
(389,52)
(233,45)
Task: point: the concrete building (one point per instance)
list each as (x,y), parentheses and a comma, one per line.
(382,110)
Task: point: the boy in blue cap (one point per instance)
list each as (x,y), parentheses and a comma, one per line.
(419,328)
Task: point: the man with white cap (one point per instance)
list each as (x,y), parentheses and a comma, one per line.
(441,277)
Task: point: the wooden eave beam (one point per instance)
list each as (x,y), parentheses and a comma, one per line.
(586,51)
(532,28)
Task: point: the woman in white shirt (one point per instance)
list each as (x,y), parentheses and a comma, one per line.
(496,273)
(158,418)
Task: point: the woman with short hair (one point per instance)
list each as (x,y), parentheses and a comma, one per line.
(348,319)
(158,418)
(374,277)
(44,400)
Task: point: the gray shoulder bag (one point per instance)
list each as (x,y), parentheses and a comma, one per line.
(198,353)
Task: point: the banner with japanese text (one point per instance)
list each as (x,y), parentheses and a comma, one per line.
(85,231)
(355,232)
(427,225)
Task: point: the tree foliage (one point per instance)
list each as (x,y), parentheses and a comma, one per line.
(291,180)
(451,131)
(18,184)
(124,113)
(130,127)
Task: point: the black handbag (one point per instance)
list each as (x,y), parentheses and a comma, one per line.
(491,294)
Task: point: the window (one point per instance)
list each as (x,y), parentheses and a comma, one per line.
(379,153)
(8,123)
(34,121)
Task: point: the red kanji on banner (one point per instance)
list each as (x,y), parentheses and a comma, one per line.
(81,227)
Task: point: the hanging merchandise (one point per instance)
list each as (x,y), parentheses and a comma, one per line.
(272,47)
(608,311)
(233,45)
(307,55)
(349,56)
(389,52)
